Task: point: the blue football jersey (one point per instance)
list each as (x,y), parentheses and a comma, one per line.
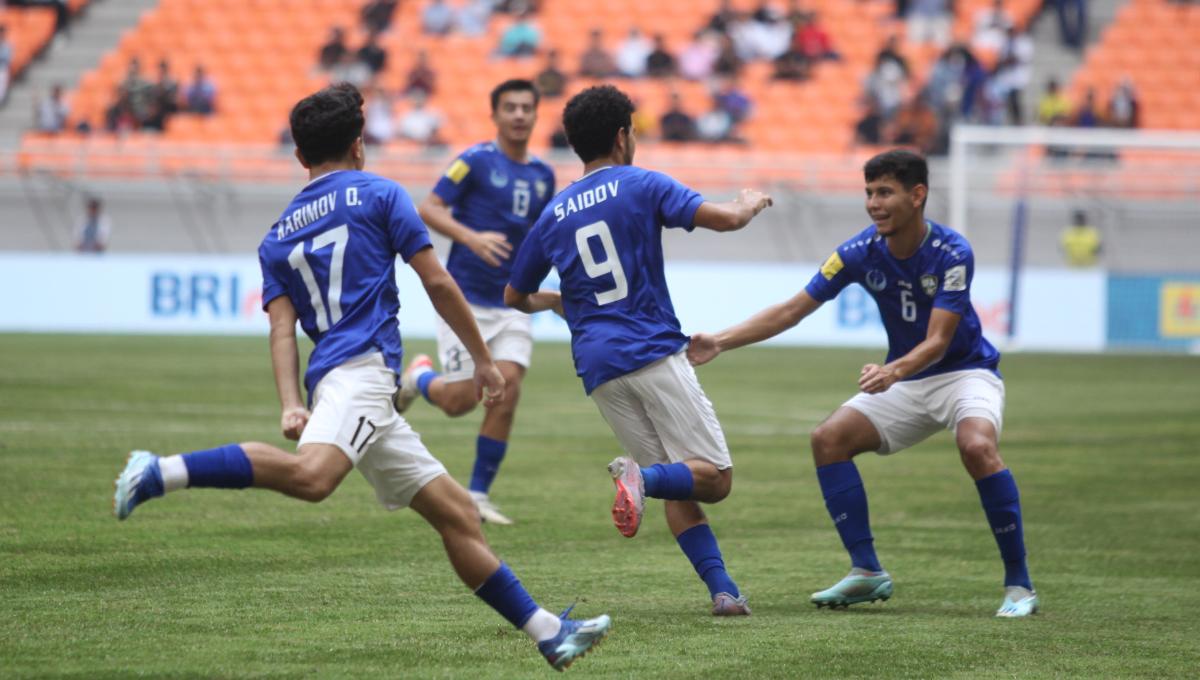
(488,191)
(906,291)
(604,235)
(333,253)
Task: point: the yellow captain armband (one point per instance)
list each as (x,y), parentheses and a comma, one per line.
(832,266)
(458,170)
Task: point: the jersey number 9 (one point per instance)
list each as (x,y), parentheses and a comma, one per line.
(611,264)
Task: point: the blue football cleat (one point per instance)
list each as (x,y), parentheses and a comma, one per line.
(139,482)
(1018,602)
(858,586)
(574,639)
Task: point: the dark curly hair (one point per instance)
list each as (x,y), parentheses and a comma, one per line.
(515,85)
(592,119)
(326,123)
(908,168)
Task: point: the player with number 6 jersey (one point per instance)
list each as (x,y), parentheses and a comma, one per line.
(604,235)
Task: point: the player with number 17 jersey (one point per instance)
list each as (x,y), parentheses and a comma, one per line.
(339,234)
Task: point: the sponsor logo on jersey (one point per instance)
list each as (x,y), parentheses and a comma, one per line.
(832,266)
(876,280)
(458,170)
(540,187)
(955,279)
(929,283)
(498,178)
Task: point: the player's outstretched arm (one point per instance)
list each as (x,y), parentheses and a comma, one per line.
(285,360)
(532,303)
(768,323)
(735,214)
(491,246)
(449,303)
(942,325)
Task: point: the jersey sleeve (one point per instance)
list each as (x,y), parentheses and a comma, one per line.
(455,181)
(532,264)
(954,293)
(406,232)
(272,286)
(833,276)
(676,204)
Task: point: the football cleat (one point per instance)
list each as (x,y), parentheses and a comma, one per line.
(631,495)
(725,604)
(488,512)
(1018,602)
(409,391)
(574,639)
(140,481)
(859,585)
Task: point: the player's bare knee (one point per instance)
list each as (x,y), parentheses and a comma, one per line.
(459,403)
(311,483)
(829,445)
(979,452)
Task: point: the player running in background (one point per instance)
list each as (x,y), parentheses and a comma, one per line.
(604,235)
(485,203)
(329,263)
(940,373)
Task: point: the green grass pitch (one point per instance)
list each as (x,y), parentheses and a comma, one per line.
(209,583)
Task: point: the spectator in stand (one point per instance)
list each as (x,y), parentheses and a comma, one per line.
(763,35)
(724,19)
(991,27)
(915,125)
(1054,105)
(377,15)
(6,59)
(929,21)
(138,91)
(661,63)
(1072,22)
(887,82)
(676,125)
(698,58)
(200,96)
(334,51)
(473,17)
(372,56)
(869,128)
(954,84)
(437,18)
(810,39)
(421,78)
(633,53)
(715,126)
(792,65)
(50,112)
(421,123)
(94,231)
(379,126)
(733,101)
(727,63)
(1081,243)
(558,139)
(166,90)
(596,62)
(516,7)
(1014,68)
(521,39)
(1088,113)
(551,81)
(1123,107)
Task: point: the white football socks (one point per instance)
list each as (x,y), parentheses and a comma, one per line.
(174,473)
(542,625)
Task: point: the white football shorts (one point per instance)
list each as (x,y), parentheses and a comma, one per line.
(352,409)
(660,414)
(507,332)
(911,411)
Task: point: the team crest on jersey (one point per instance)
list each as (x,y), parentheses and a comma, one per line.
(929,283)
(540,187)
(876,280)
(499,179)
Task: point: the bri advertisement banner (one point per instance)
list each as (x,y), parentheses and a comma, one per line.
(1058,310)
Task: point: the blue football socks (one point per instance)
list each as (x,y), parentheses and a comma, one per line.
(671,482)
(1002,505)
(504,593)
(488,455)
(700,546)
(423,381)
(226,467)
(846,500)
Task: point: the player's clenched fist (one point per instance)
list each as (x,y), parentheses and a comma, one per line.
(755,199)
(292,422)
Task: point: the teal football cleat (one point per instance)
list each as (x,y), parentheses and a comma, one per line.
(139,482)
(574,639)
(859,585)
(1018,602)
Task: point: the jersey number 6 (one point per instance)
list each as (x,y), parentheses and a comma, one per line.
(611,264)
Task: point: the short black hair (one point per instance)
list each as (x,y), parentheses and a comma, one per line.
(594,117)
(326,123)
(908,168)
(515,85)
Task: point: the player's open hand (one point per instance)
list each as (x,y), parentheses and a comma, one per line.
(489,384)
(491,246)
(292,422)
(703,349)
(875,378)
(755,199)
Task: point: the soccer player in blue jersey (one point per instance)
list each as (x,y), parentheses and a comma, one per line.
(940,373)
(604,235)
(329,263)
(485,203)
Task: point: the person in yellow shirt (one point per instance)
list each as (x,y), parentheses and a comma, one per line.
(1054,105)
(1080,242)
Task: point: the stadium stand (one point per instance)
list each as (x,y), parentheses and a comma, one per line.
(30,29)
